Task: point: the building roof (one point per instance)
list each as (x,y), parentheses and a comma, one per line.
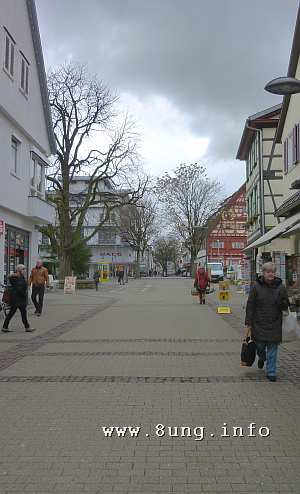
(227,203)
(35,33)
(293,63)
(86,178)
(264,118)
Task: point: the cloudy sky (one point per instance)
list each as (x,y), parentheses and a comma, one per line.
(190,71)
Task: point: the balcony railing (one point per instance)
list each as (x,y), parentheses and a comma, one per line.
(40,210)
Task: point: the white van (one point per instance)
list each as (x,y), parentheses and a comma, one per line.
(216,271)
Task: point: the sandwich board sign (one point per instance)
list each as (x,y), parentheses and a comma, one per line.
(224,296)
(70,284)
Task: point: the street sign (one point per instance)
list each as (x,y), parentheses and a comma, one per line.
(224,295)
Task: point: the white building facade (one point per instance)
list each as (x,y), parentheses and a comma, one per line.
(108,246)
(26,136)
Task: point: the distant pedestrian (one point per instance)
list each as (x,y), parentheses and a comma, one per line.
(120,275)
(18,298)
(96,279)
(201,283)
(267,299)
(38,279)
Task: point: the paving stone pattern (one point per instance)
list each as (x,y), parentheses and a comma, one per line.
(151,356)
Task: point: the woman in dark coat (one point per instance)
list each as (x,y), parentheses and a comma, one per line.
(267,299)
(18,298)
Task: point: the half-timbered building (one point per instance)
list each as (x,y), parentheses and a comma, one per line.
(264,173)
(227,238)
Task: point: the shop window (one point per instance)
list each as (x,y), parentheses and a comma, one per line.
(16,250)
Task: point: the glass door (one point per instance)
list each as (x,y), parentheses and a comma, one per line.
(16,250)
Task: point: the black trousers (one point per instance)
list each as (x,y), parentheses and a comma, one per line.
(13,310)
(37,297)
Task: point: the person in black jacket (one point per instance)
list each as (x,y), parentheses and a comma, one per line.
(18,298)
(267,299)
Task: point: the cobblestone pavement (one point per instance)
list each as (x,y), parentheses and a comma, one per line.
(139,356)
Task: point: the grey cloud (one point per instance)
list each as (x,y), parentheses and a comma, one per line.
(211,58)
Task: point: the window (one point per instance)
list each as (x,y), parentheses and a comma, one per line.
(24,83)
(45,240)
(9,57)
(107,237)
(256,150)
(216,244)
(291,149)
(255,201)
(249,207)
(37,174)
(14,155)
(237,245)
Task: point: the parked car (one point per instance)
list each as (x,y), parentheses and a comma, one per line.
(216,271)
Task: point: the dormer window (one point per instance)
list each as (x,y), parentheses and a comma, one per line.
(9,56)
(24,82)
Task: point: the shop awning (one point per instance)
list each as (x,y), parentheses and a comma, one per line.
(282,229)
(292,231)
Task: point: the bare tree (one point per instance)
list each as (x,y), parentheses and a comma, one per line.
(84,112)
(189,198)
(166,250)
(138,227)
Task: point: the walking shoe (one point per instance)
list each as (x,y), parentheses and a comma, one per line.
(260,363)
(6,330)
(29,330)
(272,378)
(38,314)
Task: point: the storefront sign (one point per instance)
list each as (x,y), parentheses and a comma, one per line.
(2,227)
(70,284)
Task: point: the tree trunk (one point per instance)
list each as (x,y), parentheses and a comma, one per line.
(65,268)
(193,264)
(137,271)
